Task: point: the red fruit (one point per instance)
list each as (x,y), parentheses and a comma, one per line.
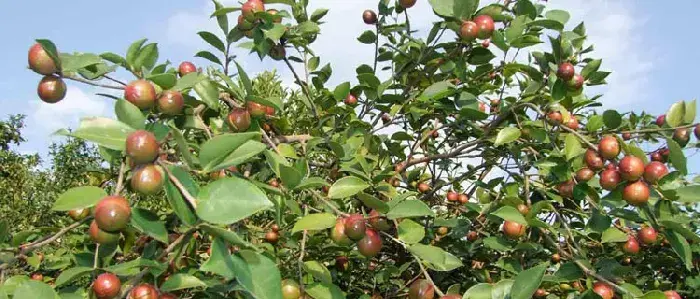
(143,291)
(423,187)
(355,227)
(275,228)
(451,296)
(434,134)
(463,198)
(186,67)
(609,147)
(540,293)
(79,214)
(370,245)
(269,111)
(661,120)
(672,295)
(696,131)
(141,93)
(681,136)
(274,183)
(584,174)
(106,286)
(513,230)
(342,263)
(631,168)
(554,118)
(593,160)
(523,209)
(655,171)
(142,147)
(469,31)
(482,107)
(626,136)
(40,61)
(472,236)
(665,152)
(37,276)
(486,43)
(407,3)
(656,156)
(452,196)
(171,102)
(485,24)
(421,289)
(566,71)
(101,237)
(576,82)
(350,100)
(51,89)
(272,237)
(611,166)
(238,119)
(112,213)
(255,109)
(369,17)
(386,118)
(603,290)
(147,180)
(631,246)
(556,258)
(647,235)
(566,189)
(290,289)
(636,193)
(378,222)
(251,7)
(609,179)
(572,123)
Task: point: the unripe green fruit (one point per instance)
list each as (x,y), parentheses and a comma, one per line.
(141,93)
(79,214)
(51,89)
(338,233)
(101,237)
(40,61)
(290,289)
(147,179)
(112,213)
(355,227)
(142,147)
(378,222)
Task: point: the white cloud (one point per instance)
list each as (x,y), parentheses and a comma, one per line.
(51,117)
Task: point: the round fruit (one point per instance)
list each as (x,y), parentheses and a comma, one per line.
(369,17)
(682,136)
(251,7)
(274,183)
(636,193)
(603,290)
(485,24)
(631,168)
(290,289)
(355,227)
(442,230)
(371,244)
(472,236)
(661,120)
(269,111)
(147,180)
(672,295)
(275,228)
(37,276)
(143,291)
(386,118)
(611,166)
(566,189)
(276,18)
(278,52)
(112,213)
(407,3)
(609,179)
(463,198)
(378,222)
(435,134)
(647,235)
(556,258)
(626,136)
(342,263)
(40,61)
(486,43)
(421,289)
(609,147)
(593,160)
(452,196)
(171,102)
(272,237)
(584,174)
(79,214)
(540,293)
(696,131)
(101,237)
(186,67)
(255,109)
(482,107)
(51,89)
(338,233)
(513,230)
(554,118)
(106,285)
(141,93)
(243,24)
(656,156)
(469,31)
(572,123)
(655,171)
(142,147)
(523,209)
(631,246)
(238,119)
(423,187)
(566,71)
(576,82)
(350,100)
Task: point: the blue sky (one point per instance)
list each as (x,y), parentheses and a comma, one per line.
(650,46)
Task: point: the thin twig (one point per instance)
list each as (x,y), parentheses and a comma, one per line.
(186,194)
(120,179)
(88,82)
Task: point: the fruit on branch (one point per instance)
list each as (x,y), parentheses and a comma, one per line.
(101,237)
(631,246)
(463,198)
(290,289)
(243,24)
(370,245)
(482,107)
(523,209)
(251,7)
(238,119)
(576,83)
(278,52)
(631,168)
(274,183)
(556,258)
(672,295)
(106,286)
(355,227)
(255,109)
(51,89)
(469,31)
(269,111)
(378,222)
(423,187)
(350,100)
(275,228)
(147,179)
(171,102)
(421,289)
(435,134)
(593,160)
(609,179)
(407,3)
(37,277)
(112,213)
(272,237)
(513,229)
(369,17)
(342,263)
(654,171)
(566,189)
(661,120)
(609,147)
(554,118)
(696,131)
(79,214)
(443,230)
(186,67)
(626,136)
(486,26)
(40,61)
(143,291)
(142,147)
(386,118)
(681,136)
(486,43)
(338,233)
(276,18)
(472,236)
(647,235)
(540,293)
(572,123)
(656,156)
(584,174)
(636,193)
(215,175)
(611,166)
(566,71)
(603,290)
(452,196)
(141,93)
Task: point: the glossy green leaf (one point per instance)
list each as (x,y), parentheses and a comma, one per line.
(341,91)
(164,80)
(220,261)
(317,221)
(72,274)
(410,232)
(614,235)
(148,222)
(409,209)
(478,291)
(561,16)
(229,200)
(346,187)
(527,282)
(681,247)
(102,131)
(676,114)
(372,202)
(690,110)
(181,208)
(208,93)
(612,119)
(325,291)
(258,275)
(677,157)
(181,281)
(319,271)
(507,135)
(213,40)
(79,198)
(511,214)
(129,114)
(572,146)
(435,257)
(35,290)
(367,37)
(221,151)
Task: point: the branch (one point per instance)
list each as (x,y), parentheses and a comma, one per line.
(186,194)
(269,141)
(120,179)
(292,138)
(88,82)
(304,88)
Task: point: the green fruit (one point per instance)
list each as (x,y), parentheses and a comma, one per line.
(290,289)
(338,233)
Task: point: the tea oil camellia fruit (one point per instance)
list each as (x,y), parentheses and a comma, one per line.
(513,230)
(626,136)
(255,109)
(350,100)
(40,61)
(463,198)
(141,93)
(452,196)
(566,71)
(423,187)
(407,3)
(603,290)
(631,246)
(572,123)
(106,286)
(101,237)
(276,18)
(112,213)
(609,147)
(566,189)
(290,289)
(576,83)
(143,291)
(251,7)
(79,214)
(37,277)
(647,235)
(584,174)
(681,136)
(554,118)
(672,295)
(355,227)
(277,52)
(593,160)
(51,89)
(142,147)
(186,67)
(661,120)
(636,193)
(369,17)
(370,245)
(631,168)
(238,119)
(523,209)
(272,237)
(609,179)
(338,233)
(469,31)
(486,26)
(696,131)
(171,102)
(378,222)
(421,289)
(654,171)
(147,180)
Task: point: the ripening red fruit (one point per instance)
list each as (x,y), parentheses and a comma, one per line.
(278,52)
(407,3)
(423,187)
(611,166)
(370,245)
(631,246)
(274,183)
(272,237)
(255,109)
(636,193)
(378,221)
(593,160)
(603,290)
(670,294)
(143,291)
(51,89)
(609,147)
(350,100)
(238,119)
(513,230)
(112,213)
(167,296)
(696,131)
(472,236)
(101,237)
(572,123)
(482,107)
(584,174)
(486,43)
(290,289)
(469,31)
(661,120)
(251,7)
(386,118)
(434,134)
(40,61)
(186,67)
(147,180)
(355,227)
(275,228)
(566,189)
(656,156)
(106,286)
(626,136)
(540,293)
(369,17)
(342,263)
(523,209)
(37,276)
(655,171)
(631,168)
(421,289)
(452,196)
(463,198)
(566,71)
(269,111)
(681,136)
(576,82)
(554,118)
(141,93)
(79,214)
(486,25)
(647,235)
(142,147)
(556,258)
(609,179)
(171,102)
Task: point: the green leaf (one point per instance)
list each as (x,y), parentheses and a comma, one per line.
(591,67)
(181,208)
(443,8)
(559,90)
(346,187)
(612,119)
(291,177)
(681,247)
(244,79)
(181,281)
(318,14)
(129,114)
(653,295)
(410,208)
(213,40)
(229,200)
(690,109)
(319,271)
(113,58)
(436,258)
(222,151)
(311,183)
(341,91)
(308,28)
(479,291)
(148,222)
(688,194)
(79,198)
(507,135)
(325,291)
(258,275)
(464,9)
(133,51)
(276,32)
(511,214)
(568,272)
(208,93)
(317,221)
(676,114)
(220,261)
(221,19)
(164,80)
(372,202)
(572,146)
(479,56)
(367,37)
(502,289)
(35,290)
(188,81)
(549,24)
(527,282)
(437,91)
(50,48)
(410,232)
(678,159)
(227,235)
(209,56)
(561,16)
(102,131)
(147,57)
(75,62)
(595,123)
(613,235)
(71,274)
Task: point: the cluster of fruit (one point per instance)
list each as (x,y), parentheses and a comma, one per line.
(108,285)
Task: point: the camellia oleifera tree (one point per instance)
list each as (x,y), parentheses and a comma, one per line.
(443,172)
